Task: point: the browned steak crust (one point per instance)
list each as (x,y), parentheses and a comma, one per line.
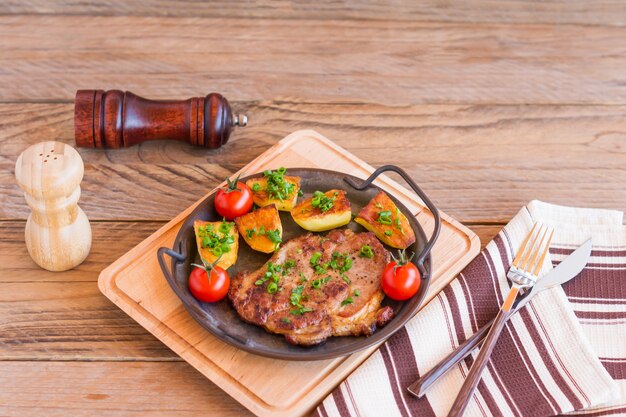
(311,304)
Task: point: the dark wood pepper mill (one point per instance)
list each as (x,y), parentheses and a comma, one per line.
(116,119)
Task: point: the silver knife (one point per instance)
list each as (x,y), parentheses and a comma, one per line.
(563,272)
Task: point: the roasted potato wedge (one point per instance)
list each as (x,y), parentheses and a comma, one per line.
(262,197)
(261,228)
(320,218)
(383,217)
(215,239)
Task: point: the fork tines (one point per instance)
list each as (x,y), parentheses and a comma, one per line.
(530,257)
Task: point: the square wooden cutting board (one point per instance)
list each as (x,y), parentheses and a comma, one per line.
(268,387)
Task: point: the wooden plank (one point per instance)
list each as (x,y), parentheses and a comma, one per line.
(70,321)
(112,389)
(110,240)
(62,316)
(49,57)
(48,315)
(583,12)
(480,163)
(486,233)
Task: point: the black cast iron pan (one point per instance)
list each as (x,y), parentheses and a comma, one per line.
(221,319)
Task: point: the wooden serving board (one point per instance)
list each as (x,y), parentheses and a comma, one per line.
(268,387)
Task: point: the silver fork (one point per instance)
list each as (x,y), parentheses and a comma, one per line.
(523,274)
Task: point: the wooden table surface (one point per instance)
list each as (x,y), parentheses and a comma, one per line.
(487,104)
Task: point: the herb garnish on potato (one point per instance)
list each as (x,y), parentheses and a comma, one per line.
(323,211)
(261,228)
(383,217)
(275,188)
(215,239)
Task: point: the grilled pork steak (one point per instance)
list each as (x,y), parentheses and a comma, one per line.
(315,287)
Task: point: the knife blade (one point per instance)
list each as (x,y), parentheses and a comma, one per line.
(563,272)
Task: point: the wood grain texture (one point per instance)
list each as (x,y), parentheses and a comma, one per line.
(480,163)
(110,241)
(111,389)
(370,60)
(606,12)
(52,316)
(69,321)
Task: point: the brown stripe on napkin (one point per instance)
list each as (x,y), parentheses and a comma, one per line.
(598,299)
(541,366)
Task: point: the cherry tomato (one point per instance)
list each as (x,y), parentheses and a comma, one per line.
(209,287)
(234,200)
(401,279)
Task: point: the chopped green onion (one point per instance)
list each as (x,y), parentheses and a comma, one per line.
(274,237)
(366,252)
(378,205)
(286,320)
(315,258)
(346,279)
(225,227)
(296,295)
(317,283)
(256,187)
(322,201)
(272,287)
(357,293)
(398,223)
(303,278)
(347,301)
(250,233)
(388,232)
(212,240)
(300,311)
(272,272)
(347,264)
(277,188)
(289,263)
(384,217)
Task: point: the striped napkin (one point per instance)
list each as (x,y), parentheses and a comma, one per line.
(565,351)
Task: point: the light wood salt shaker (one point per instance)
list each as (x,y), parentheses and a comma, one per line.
(58,234)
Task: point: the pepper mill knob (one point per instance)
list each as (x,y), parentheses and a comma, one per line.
(117,119)
(58,234)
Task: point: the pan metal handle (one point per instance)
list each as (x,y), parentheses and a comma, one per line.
(161,252)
